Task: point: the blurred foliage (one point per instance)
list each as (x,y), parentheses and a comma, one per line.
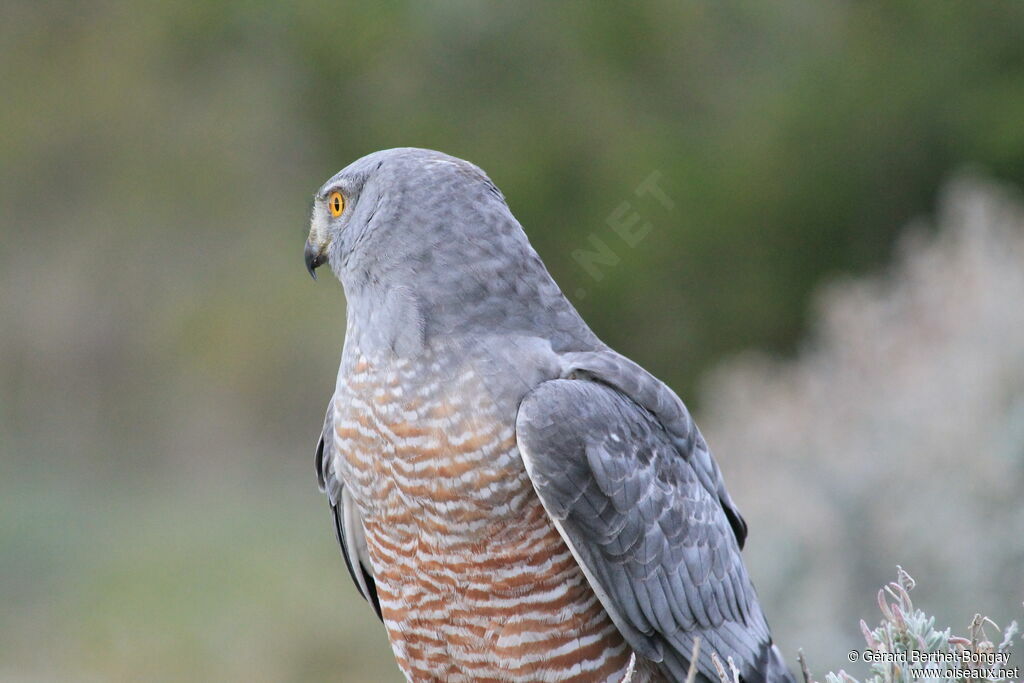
(896,435)
(165,362)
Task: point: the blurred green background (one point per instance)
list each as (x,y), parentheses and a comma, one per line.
(165,360)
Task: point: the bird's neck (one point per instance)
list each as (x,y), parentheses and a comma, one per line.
(408,319)
(384,320)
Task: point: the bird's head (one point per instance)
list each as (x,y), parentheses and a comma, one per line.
(400,210)
(424,241)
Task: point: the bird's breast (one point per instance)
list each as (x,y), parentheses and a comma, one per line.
(474,581)
(426,449)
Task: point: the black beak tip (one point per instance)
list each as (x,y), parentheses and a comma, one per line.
(313,259)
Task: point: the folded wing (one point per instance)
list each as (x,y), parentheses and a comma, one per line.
(347,523)
(652,538)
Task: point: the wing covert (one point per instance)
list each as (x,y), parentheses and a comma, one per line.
(647,391)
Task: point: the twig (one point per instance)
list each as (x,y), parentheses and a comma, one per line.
(718,667)
(804,669)
(691,675)
(735,671)
(631,669)
(722,676)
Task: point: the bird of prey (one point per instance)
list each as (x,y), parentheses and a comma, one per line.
(515,500)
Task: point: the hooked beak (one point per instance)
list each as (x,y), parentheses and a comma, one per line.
(315,257)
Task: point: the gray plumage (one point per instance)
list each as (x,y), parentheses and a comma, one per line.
(435,266)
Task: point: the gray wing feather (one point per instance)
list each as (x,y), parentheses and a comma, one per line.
(609,367)
(347,523)
(645,520)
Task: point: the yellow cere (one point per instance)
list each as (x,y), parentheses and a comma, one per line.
(337,203)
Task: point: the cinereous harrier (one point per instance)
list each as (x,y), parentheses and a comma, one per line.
(515,499)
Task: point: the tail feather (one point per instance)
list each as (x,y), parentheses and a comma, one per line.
(770,667)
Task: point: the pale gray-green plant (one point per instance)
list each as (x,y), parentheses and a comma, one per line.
(906,630)
(896,435)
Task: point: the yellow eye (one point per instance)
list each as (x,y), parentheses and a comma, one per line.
(337,203)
